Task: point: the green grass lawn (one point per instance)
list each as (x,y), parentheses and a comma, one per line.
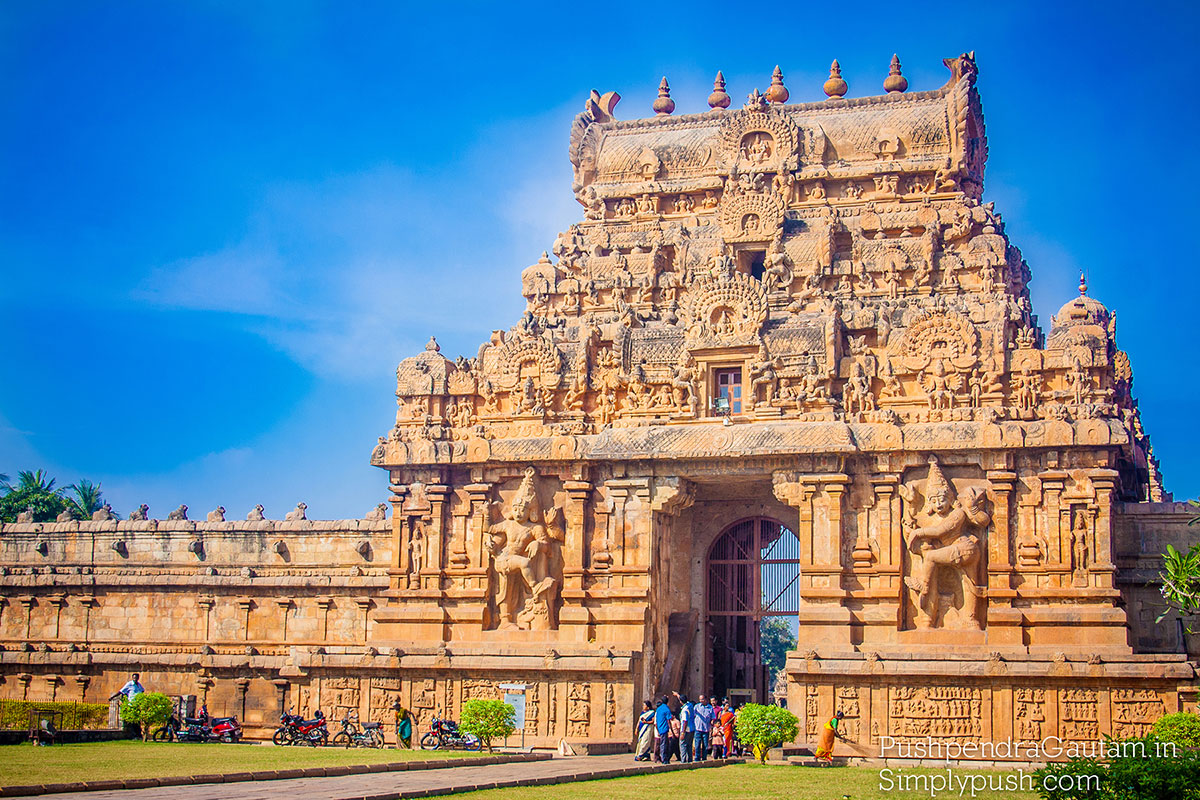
(67,763)
(746,782)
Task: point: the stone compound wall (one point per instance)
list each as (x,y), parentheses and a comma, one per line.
(252,617)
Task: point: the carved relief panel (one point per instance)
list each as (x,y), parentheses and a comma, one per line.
(944,527)
(526,559)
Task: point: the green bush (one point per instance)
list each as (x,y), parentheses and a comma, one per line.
(1137,769)
(149,710)
(14,714)
(1183,729)
(764,727)
(488,719)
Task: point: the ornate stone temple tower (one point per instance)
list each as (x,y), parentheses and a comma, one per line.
(784,368)
(786,364)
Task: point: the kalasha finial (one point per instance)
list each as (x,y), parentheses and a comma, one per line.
(663,104)
(432,345)
(895,83)
(718,100)
(1082,283)
(777,92)
(835,87)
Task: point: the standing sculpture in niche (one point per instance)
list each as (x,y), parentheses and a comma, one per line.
(527,556)
(944,539)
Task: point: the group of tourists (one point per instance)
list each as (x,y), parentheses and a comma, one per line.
(676,727)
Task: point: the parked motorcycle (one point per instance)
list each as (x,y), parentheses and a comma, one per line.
(295,730)
(350,735)
(444,734)
(202,728)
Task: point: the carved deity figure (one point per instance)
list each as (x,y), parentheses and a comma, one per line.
(944,539)
(683,384)
(526,554)
(1079,546)
(763,373)
(941,387)
(777,272)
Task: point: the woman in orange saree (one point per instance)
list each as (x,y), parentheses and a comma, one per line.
(828,734)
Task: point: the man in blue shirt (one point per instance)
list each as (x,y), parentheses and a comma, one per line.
(686,730)
(662,725)
(702,718)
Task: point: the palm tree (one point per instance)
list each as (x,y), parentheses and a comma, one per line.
(5,486)
(84,498)
(37,480)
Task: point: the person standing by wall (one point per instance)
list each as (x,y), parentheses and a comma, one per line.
(404,725)
(702,716)
(662,726)
(686,729)
(132,688)
(645,730)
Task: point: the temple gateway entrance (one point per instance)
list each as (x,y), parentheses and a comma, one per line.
(753,575)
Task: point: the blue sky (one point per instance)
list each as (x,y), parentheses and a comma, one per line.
(223,224)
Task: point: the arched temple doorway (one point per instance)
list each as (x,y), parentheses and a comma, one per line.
(753,576)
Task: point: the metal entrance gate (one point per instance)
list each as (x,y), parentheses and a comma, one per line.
(753,572)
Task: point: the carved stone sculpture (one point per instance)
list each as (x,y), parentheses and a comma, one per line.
(256,514)
(525,548)
(65,515)
(943,537)
(103,514)
(377,514)
(139,513)
(178,514)
(296,514)
(217,514)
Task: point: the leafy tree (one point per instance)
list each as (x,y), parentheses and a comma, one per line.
(149,710)
(1182,728)
(84,498)
(764,727)
(1180,578)
(38,480)
(776,639)
(33,490)
(488,719)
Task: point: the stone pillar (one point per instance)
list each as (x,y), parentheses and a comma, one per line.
(477,529)
(364,605)
(437,494)
(59,602)
(24,679)
(1003,621)
(824,618)
(242,686)
(88,602)
(28,601)
(324,603)
(284,604)
(575,512)
(1105,482)
(281,688)
(1052,487)
(459,560)
(205,604)
(1000,555)
(244,605)
(82,682)
(398,569)
(52,682)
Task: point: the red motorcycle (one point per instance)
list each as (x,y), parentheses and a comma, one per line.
(295,730)
(201,728)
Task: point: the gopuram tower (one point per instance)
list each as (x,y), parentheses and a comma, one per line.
(785,365)
(784,369)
